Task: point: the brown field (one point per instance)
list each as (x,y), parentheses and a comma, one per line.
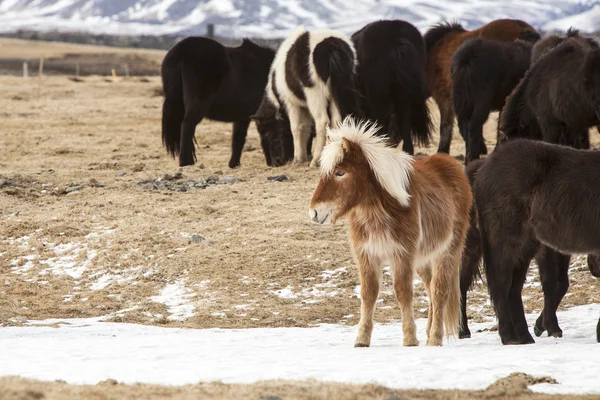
(91,225)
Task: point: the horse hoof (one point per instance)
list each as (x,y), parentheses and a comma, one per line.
(557,334)
(466,335)
(538,331)
(233,164)
(361,345)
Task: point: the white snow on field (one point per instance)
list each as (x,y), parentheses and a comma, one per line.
(177,299)
(88,351)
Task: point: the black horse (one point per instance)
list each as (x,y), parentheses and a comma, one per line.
(558,100)
(391,79)
(204,79)
(484,73)
(533,201)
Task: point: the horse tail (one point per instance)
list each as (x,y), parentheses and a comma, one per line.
(335,59)
(409,84)
(452,316)
(462,77)
(486,250)
(439,31)
(173,107)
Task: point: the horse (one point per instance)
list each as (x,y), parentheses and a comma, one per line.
(391,80)
(411,212)
(551,41)
(311,79)
(202,78)
(484,73)
(558,99)
(533,200)
(441,41)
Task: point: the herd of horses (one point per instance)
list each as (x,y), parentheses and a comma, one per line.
(533,196)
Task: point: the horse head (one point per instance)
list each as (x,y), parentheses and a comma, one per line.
(276,139)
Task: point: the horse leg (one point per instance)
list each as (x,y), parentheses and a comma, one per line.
(403,114)
(370,278)
(499,274)
(561,285)
(445,275)
(300,125)
(598,326)
(240,131)
(264,143)
(498,131)
(194,113)
(475,129)
(446,125)
(403,286)
(515,300)
(424,272)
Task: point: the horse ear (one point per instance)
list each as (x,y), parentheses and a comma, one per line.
(345,144)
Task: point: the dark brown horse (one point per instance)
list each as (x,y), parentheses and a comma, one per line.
(441,41)
(484,73)
(558,100)
(533,200)
(204,79)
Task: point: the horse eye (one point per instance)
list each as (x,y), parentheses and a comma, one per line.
(339,174)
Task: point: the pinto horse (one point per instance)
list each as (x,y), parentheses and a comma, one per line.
(203,79)
(311,79)
(411,212)
(533,200)
(442,41)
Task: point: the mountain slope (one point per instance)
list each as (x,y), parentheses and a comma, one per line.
(275,18)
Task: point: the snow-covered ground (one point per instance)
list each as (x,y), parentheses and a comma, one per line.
(88,351)
(275,18)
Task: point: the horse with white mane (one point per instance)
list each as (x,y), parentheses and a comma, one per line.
(411,212)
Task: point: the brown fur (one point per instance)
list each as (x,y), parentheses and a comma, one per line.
(382,229)
(439,61)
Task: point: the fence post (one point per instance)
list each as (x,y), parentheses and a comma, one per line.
(210,30)
(41,66)
(25,69)
(76,69)
(126,70)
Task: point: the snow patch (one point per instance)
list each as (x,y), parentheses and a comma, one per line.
(177,298)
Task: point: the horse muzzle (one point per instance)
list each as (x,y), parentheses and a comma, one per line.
(319,215)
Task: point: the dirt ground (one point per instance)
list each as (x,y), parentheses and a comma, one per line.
(97,220)
(514,387)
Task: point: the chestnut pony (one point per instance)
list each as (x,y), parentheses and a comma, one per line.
(412,213)
(442,40)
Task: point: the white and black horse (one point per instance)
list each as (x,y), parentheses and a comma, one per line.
(311,79)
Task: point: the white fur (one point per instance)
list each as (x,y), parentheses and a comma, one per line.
(392,167)
(318,97)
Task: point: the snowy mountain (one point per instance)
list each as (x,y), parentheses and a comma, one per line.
(275,18)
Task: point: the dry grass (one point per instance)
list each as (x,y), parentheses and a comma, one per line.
(512,387)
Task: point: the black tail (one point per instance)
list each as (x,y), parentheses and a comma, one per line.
(462,78)
(409,85)
(335,59)
(472,252)
(485,248)
(438,31)
(173,107)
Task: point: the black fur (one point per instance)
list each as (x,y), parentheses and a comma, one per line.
(202,78)
(438,31)
(297,74)
(391,78)
(334,60)
(528,193)
(484,73)
(471,256)
(558,100)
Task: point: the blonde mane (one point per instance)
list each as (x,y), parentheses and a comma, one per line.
(392,167)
